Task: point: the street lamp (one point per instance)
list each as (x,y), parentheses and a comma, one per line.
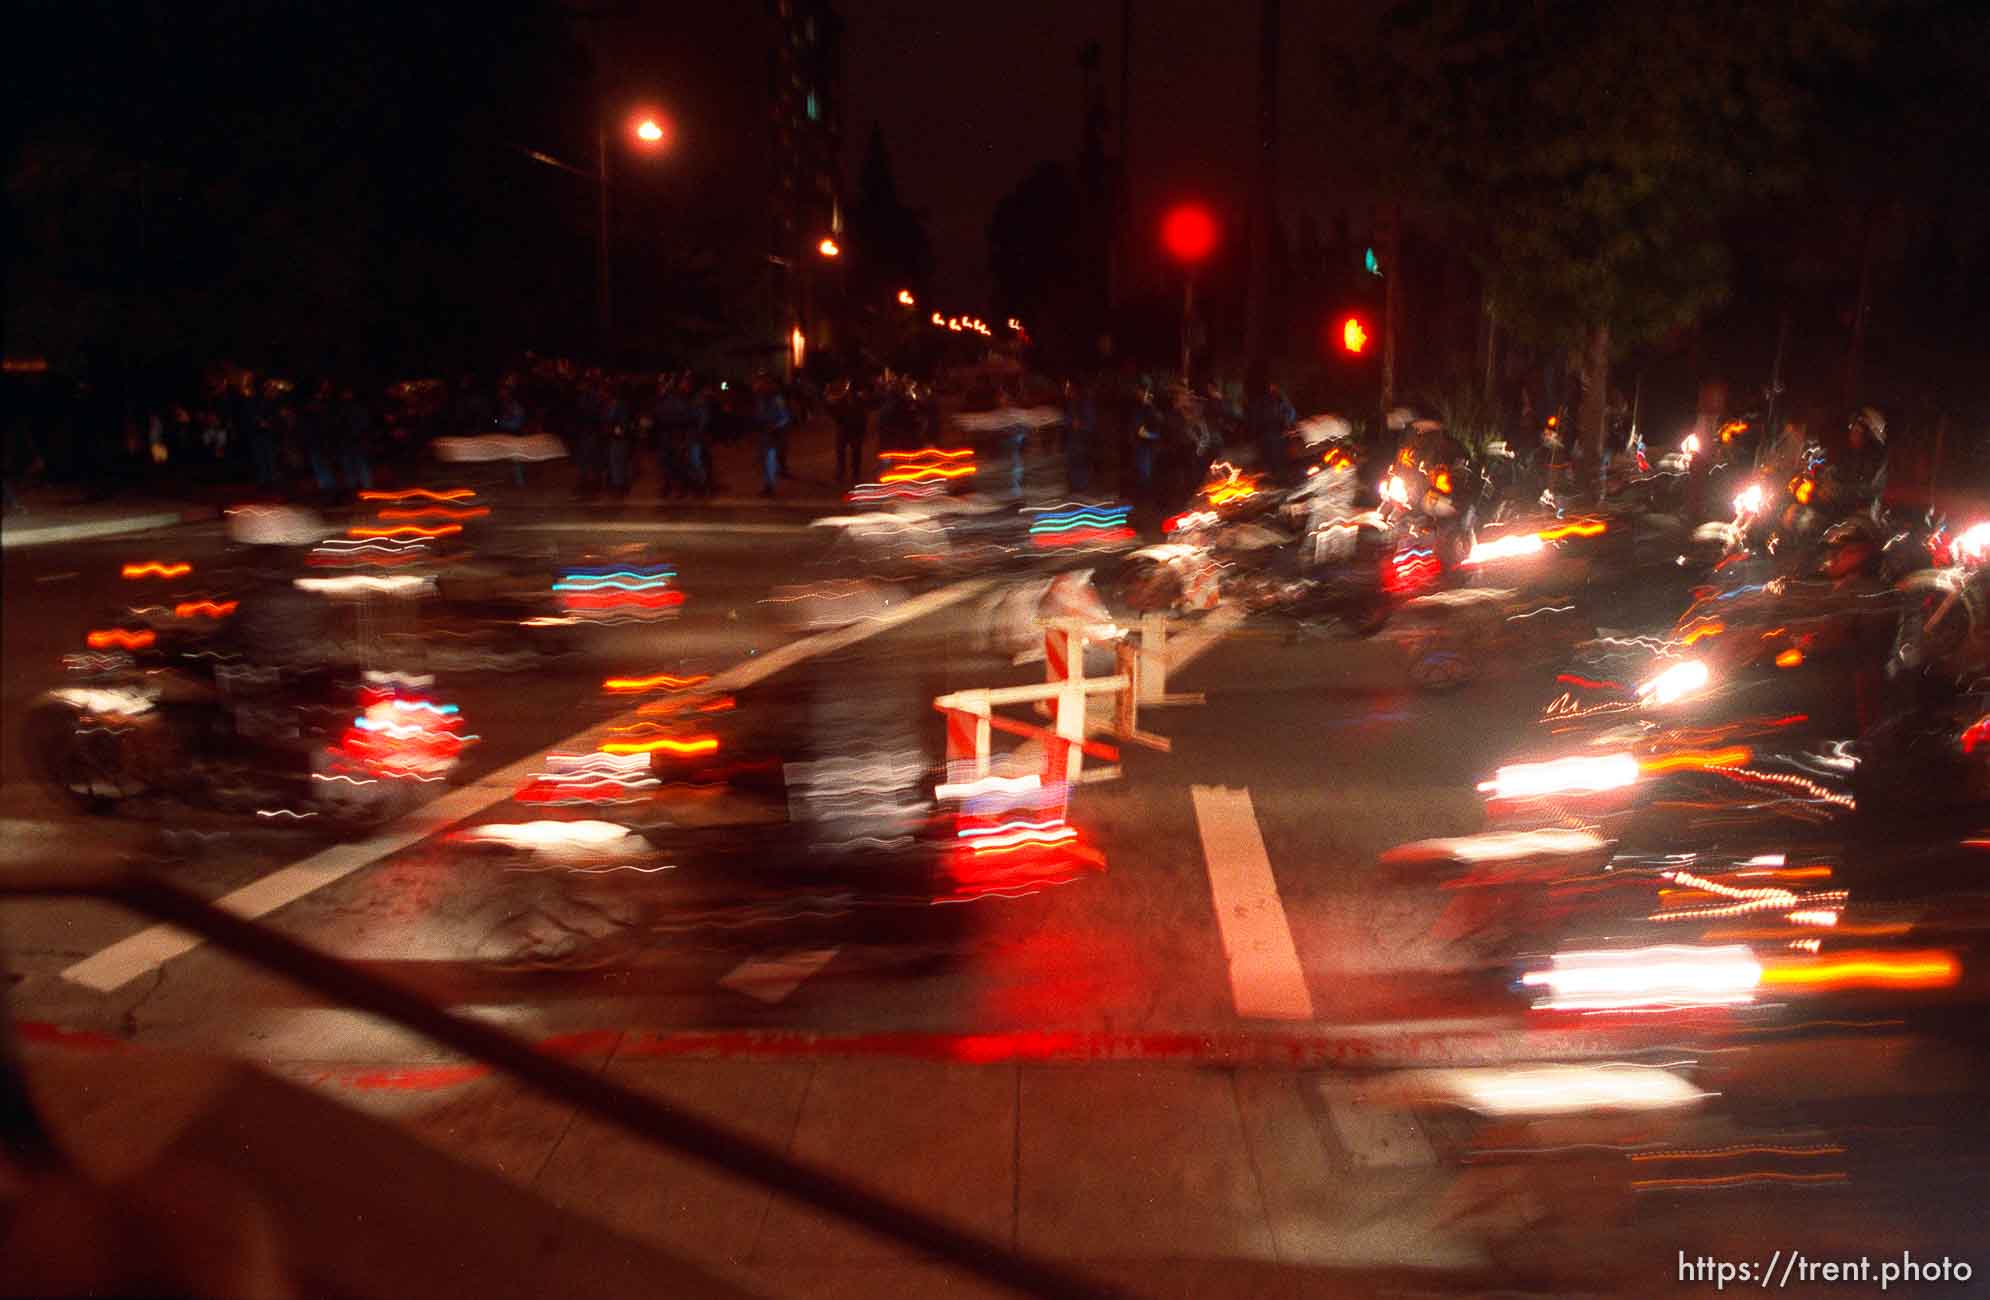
(1188,232)
(905,298)
(651,130)
(829,247)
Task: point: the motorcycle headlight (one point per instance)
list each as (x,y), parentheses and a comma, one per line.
(1748,501)
(1675,683)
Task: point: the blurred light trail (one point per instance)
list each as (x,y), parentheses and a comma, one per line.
(1562,776)
(1505,548)
(1574,528)
(157,569)
(1667,976)
(665,745)
(1736,1180)
(398,584)
(1675,683)
(204,609)
(1862,969)
(406,530)
(437,512)
(124,639)
(1695,760)
(419,494)
(1563,1089)
(668,681)
(543,835)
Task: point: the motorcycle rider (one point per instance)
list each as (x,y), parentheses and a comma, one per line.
(1271,414)
(1861,473)
(284,636)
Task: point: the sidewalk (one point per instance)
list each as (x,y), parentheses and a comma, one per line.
(1163,1180)
(50,514)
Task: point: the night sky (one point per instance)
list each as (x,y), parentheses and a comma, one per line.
(971,96)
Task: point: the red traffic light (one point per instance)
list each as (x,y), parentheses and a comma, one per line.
(1353,336)
(1189,233)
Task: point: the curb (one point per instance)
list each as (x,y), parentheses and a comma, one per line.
(43,534)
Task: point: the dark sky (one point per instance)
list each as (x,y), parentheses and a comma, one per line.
(970,96)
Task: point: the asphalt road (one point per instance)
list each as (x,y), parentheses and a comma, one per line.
(1241,901)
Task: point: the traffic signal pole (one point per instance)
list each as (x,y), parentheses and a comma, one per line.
(1392,268)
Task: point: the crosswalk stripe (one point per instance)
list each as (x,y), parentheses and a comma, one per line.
(1266,981)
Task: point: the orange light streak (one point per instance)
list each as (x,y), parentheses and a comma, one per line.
(1575,528)
(667,680)
(1696,759)
(406,530)
(437,512)
(925,472)
(928,453)
(204,609)
(157,569)
(105,638)
(1932,969)
(420,494)
(668,745)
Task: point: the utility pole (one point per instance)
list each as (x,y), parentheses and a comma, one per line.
(1492,343)
(1392,302)
(1264,202)
(1769,432)
(1855,353)
(1122,242)
(602,281)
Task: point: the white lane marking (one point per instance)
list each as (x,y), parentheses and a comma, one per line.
(145,951)
(772,978)
(662,526)
(1266,981)
(42,534)
(1194,643)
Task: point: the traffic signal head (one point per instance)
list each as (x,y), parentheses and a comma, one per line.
(1189,233)
(1353,336)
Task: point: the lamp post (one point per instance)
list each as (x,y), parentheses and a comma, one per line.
(651,131)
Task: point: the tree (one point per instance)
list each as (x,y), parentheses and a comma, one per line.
(1032,252)
(1595,151)
(890,249)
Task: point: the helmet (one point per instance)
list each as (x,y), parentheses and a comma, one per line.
(1318,429)
(1399,419)
(1874,422)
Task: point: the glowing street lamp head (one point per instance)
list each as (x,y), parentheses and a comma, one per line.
(829,247)
(1354,335)
(905,298)
(649,130)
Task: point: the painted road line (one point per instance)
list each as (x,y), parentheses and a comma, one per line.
(663,526)
(1266,981)
(147,950)
(772,978)
(1192,644)
(43,534)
